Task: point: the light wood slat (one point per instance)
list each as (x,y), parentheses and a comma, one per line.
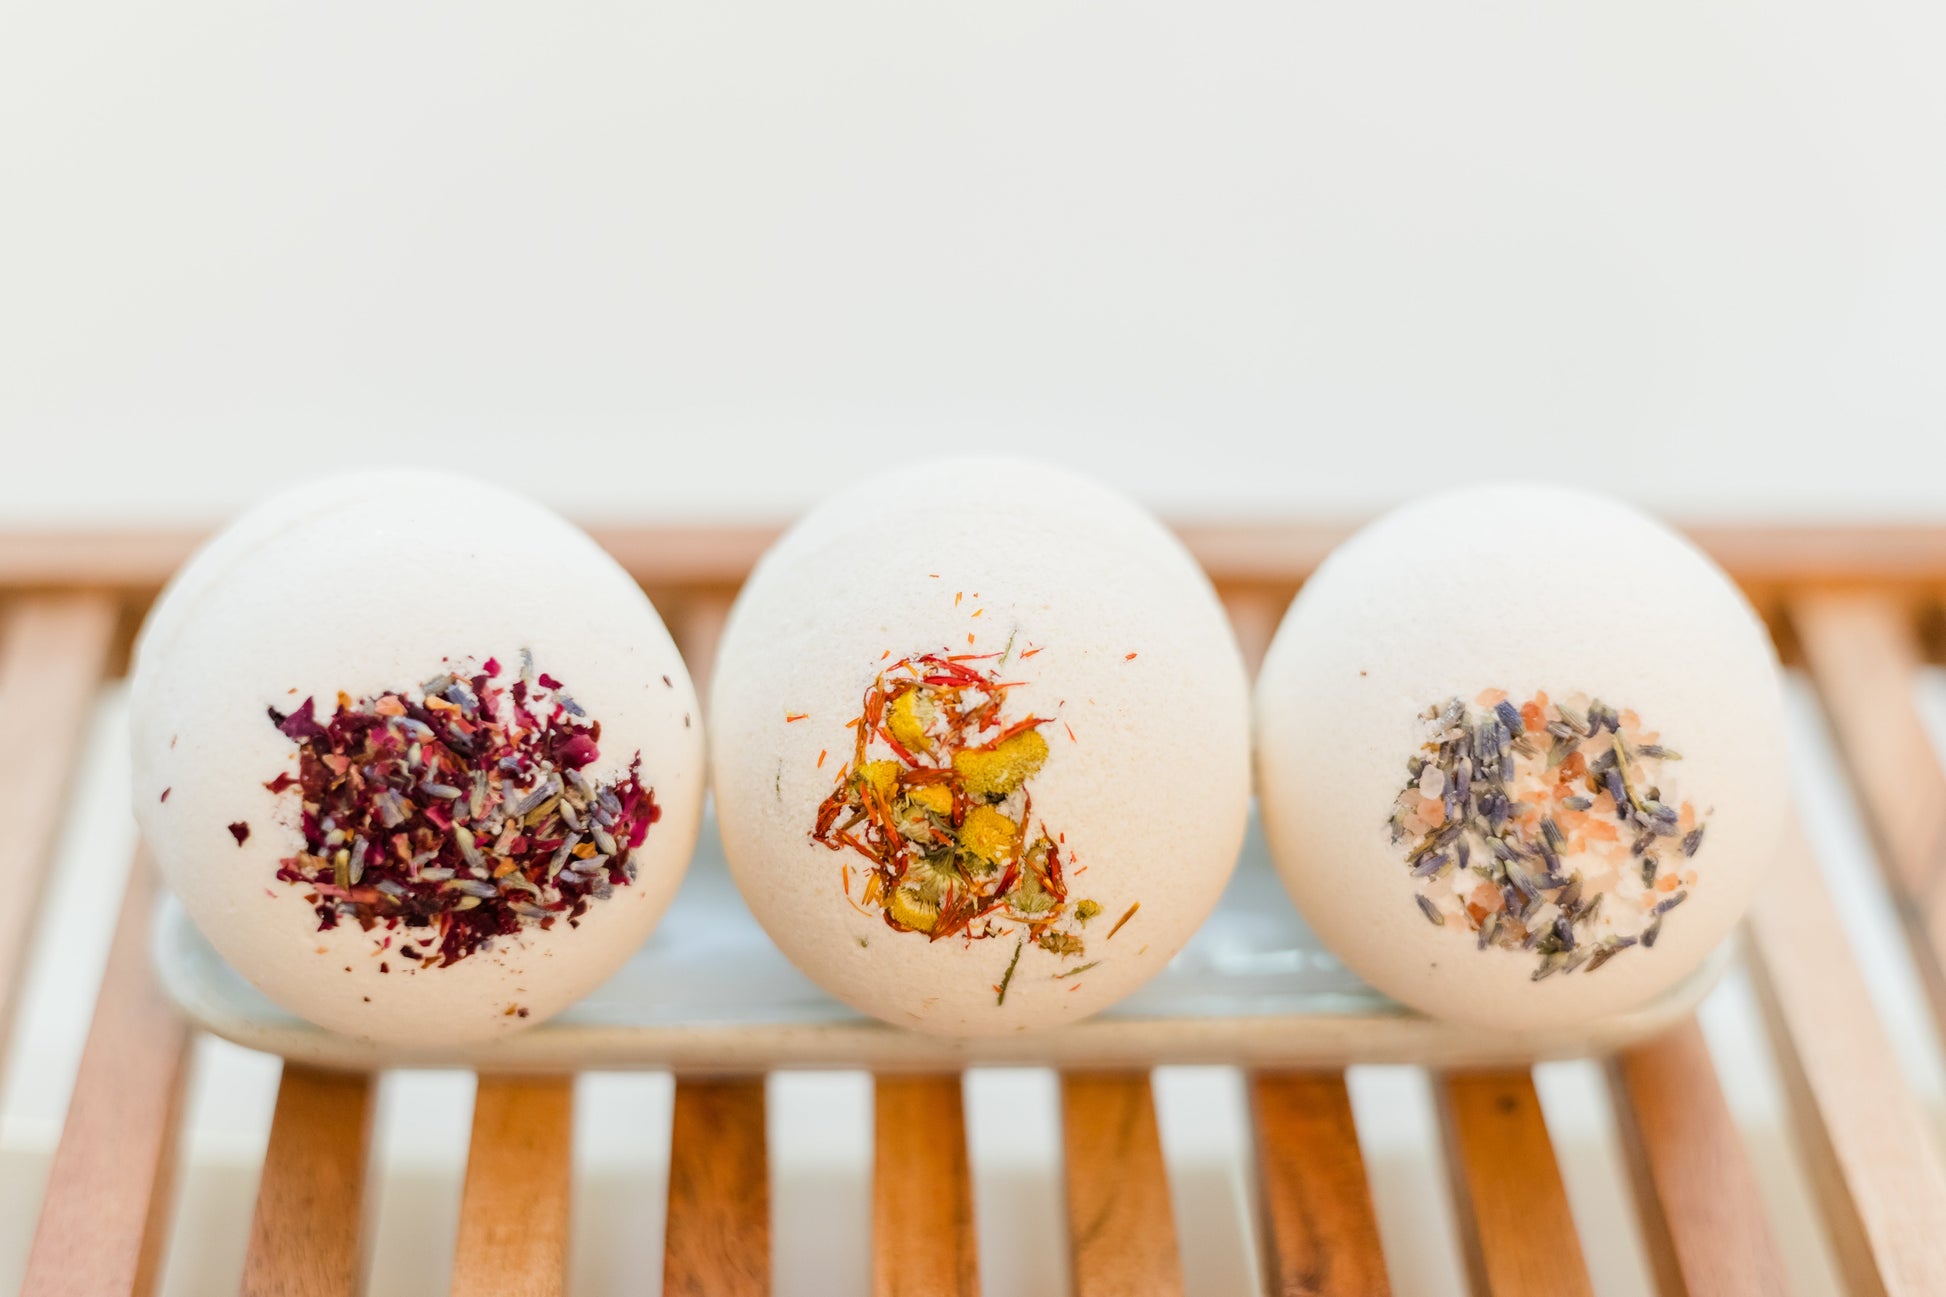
(1702,1212)
(697,627)
(1254,613)
(1121,1225)
(53,651)
(305,1238)
(1862,650)
(141,560)
(922,1190)
(1320,1228)
(105,1214)
(1865,1136)
(717,1239)
(513,1225)
(1515,1225)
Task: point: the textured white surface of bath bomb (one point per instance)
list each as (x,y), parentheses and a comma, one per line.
(1065,612)
(1443,724)
(370,585)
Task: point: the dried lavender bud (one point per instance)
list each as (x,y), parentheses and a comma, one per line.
(407,804)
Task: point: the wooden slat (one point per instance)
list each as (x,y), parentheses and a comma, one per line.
(1515,1225)
(105,1214)
(1121,1226)
(141,560)
(1320,1229)
(1255,611)
(922,1190)
(1702,1212)
(513,1231)
(717,1239)
(53,650)
(1865,1136)
(1862,649)
(697,626)
(305,1239)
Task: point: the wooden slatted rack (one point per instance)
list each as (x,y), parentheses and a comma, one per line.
(1852,606)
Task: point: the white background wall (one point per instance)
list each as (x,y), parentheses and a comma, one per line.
(697,258)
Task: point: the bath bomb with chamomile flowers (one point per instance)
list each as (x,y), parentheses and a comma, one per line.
(979,746)
(415,755)
(1520,755)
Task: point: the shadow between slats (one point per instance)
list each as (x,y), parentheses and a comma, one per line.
(513,1233)
(923,1243)
(717,1235)
(1702,1212)
(1320,1234)
(105,1214)
(1121,1226)
(1515,1226)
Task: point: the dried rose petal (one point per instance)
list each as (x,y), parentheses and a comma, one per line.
(457,811)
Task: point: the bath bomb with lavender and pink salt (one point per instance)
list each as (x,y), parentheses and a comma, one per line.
(1520,755)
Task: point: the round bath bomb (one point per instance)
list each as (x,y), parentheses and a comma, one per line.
(1521,755)
(416,756)
(980,746)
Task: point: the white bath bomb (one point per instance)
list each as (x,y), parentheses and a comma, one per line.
(980,746)
(1520,755)
(417,757)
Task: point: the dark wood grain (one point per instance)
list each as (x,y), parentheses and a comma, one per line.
(1320,1228)
(1515,1226)
(1121,1224)
(717,1240)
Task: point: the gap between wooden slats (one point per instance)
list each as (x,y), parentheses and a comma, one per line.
(105,1214)
(1864,1134)
(923,1243)
(1515,1226)
(1702,1212)
(306,1236)
(1862,649)
(1121,1226)
(513,1233)
(1320,1233)
(53,651)
(717,1236)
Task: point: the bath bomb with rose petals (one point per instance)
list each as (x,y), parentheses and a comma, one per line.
(416,756)
(1520,755)
(980,746)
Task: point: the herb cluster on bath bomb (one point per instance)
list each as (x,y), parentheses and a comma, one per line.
(1521,755)
(980,746)
(418,758)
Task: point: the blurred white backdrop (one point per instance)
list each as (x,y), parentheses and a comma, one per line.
(706,259)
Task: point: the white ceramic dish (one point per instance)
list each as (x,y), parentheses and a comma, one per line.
(709,993)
